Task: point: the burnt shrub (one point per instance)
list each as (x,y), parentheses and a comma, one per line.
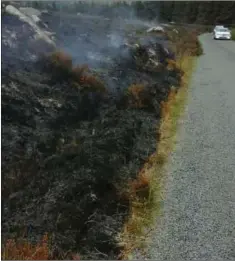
(60,67)
(185,41)
(82,78)
(138,96)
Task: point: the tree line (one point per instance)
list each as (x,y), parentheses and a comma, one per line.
(195,12)
(198,12)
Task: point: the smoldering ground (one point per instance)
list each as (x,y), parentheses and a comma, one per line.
(68,152)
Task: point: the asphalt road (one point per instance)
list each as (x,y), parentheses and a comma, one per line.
(198,219)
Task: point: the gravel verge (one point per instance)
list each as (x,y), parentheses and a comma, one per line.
(197,221)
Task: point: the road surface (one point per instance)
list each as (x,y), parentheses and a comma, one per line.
(198,219)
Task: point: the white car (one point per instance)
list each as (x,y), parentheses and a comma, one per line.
(218,27)
(222,33)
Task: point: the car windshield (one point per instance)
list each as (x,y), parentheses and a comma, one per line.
(223,30)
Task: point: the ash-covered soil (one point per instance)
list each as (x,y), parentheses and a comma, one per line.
(68,153)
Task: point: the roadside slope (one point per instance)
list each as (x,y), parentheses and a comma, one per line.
(198,216)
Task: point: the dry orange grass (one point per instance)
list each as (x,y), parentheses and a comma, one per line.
(79,72)
(92,82)
(61,66)
(23,250)
(82,77)
(61,59)
(171,65)
(139,188)
(136,95)
(185,41)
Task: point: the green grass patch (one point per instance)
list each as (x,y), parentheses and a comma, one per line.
(233,34)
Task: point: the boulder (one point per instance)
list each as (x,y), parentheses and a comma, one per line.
(39,34)
(155,29)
